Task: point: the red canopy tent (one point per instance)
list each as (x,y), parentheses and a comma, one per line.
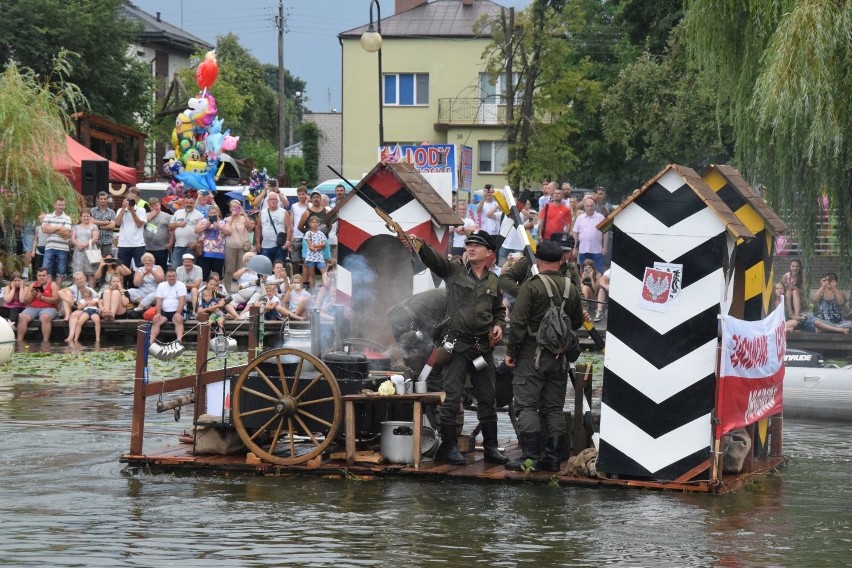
(70,165)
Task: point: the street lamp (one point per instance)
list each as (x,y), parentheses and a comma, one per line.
(371,41)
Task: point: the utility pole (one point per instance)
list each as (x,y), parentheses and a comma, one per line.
(282,112)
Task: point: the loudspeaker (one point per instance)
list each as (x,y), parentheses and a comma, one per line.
(95,177)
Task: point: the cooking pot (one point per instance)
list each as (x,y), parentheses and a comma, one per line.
(397,445)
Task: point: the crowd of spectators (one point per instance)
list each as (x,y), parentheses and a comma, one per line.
(168,260)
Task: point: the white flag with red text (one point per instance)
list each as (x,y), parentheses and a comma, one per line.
(751,370)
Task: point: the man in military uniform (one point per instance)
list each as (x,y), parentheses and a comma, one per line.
(520,271)
(476,322)
(539,382)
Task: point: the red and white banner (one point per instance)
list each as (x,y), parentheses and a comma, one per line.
(751,372)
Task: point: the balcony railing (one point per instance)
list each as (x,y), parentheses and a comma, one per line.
(479,112)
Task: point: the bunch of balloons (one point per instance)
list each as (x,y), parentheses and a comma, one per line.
(198,139)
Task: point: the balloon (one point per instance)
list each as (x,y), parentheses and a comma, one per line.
(229,142)
(207,71)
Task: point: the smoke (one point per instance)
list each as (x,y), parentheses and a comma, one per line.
(382,276)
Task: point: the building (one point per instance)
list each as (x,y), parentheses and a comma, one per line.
(435,89)
(329,125)
(166,49)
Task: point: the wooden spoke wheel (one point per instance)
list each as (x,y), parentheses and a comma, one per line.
(281,395)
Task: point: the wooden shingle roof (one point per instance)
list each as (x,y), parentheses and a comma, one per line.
(697,184)
(416,184)
(750,196)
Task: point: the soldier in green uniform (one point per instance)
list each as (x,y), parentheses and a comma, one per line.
(476,319)
(539,383)
(520,271)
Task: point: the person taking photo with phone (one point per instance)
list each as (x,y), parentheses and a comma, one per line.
(130,220)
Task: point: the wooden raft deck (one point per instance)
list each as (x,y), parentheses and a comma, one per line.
(179,458)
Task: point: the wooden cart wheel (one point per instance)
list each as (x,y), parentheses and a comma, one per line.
(278,397)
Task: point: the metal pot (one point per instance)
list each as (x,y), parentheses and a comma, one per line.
(397,445)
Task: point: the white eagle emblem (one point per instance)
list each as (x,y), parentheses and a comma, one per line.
(657,286)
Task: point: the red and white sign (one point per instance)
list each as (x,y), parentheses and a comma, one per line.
(656,290)
(751,373)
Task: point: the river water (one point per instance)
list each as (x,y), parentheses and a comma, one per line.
(66,501)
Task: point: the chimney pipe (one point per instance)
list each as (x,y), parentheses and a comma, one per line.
(467,2)
(158,17)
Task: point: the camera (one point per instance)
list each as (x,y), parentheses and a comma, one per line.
(587,281)
(213,218)
(38,288)
(131,202)
(109,261)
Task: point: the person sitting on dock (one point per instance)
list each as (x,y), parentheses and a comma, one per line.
(41,298)
(171,298)
(212,305)
(828,315)
(214,284)
(146,278)
(87,307)
(794,293)
(297,299)
(192,277)
(540,376)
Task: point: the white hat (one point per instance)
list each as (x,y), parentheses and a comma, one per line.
(188,256)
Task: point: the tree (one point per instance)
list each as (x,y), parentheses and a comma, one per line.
(97,41)
(783,79)
(309,133)
(34,114)
(527,50)
(660,112)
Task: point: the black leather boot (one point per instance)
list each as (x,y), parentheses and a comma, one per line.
(449,451)
(529,446)
(553,448)
(489,443)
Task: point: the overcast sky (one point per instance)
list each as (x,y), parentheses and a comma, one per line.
(311,47)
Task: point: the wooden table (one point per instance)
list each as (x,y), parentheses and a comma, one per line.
(417,401)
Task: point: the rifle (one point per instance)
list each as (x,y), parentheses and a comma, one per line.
(391,225)
(504,198)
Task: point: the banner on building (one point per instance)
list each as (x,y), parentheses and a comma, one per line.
(751,372)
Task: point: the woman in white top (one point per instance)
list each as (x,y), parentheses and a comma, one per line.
(248,289)
(145,281)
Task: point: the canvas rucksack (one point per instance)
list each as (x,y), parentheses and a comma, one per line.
(555,334)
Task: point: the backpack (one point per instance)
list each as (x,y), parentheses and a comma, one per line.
(555,334)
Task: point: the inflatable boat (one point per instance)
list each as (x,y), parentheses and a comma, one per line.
(814,391)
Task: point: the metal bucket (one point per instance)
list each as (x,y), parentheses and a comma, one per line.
(397,445)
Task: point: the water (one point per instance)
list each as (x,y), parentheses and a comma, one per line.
(66,501)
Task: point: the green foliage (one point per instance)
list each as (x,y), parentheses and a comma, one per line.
(114,82)
(782,72)
(295,170)
(263,152)
(660,112)
(309,133)
(33,113)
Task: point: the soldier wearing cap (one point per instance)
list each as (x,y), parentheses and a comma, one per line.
(539,383)
(520,271)
(475,323)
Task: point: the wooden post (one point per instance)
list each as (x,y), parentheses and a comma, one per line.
(137,424)
(579,441)
(776,427)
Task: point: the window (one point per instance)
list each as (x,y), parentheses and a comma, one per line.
(494,89)
(492,156)
(406,89)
